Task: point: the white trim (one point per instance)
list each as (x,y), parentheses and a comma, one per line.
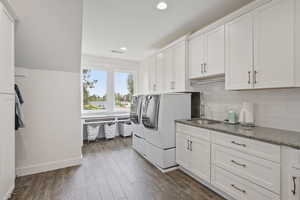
(9,192)
(49,166)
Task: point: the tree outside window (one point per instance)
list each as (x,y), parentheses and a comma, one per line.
(94,84)
(124,89)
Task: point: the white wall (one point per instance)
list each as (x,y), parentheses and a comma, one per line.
(48,34)
(275,108)
(48,48)
(51,138)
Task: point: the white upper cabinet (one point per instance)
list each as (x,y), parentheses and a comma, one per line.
(160,73)
(168,69)
(215,52)
(179,83)
(151,62)
(207,54)
(169,72)
(196,57)
(274,44)
(260,48)
(175,68)
(143,87)
(6,53)
(239,53)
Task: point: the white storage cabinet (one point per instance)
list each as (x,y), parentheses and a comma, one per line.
(260,47)
(207,54)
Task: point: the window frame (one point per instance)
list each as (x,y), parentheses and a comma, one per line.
(110,88)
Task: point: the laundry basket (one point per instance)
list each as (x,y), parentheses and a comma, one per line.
(110,130)
(92,132)
(125,129)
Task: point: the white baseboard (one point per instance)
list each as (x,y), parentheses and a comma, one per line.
(9,193)
(49,166)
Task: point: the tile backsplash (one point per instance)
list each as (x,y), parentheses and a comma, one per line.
(275,108)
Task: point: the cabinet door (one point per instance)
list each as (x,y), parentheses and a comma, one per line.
(152,74)
(182,152)
(200,158)
(143,78)
(215,52)
(160,72)
(196,56)
(179,67)
(239,53)
(274,44)
(7,143)
(169,71)
(6,53)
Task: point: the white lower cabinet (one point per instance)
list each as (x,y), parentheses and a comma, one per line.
(244,169)
(200,158)
(259,171)
(193,154)
(182,151)
(239,188)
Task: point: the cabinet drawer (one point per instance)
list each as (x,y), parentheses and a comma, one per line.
(196,132)
(249,146)
(262,172)
(239,188)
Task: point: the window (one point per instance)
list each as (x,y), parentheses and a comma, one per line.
(124,89)
(94,84)
(107,90)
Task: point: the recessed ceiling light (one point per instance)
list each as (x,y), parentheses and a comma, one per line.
(162,5)
(123,48)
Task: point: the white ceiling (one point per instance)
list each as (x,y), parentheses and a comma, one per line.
(138,25)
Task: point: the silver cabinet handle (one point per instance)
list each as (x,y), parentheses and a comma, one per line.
(204,66)
(239,189)
(255,79)
(249,77)
(191,145)
(239,164)
(294,183)
(239,144)
(188,144)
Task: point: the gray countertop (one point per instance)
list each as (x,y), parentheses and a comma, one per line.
(270,135)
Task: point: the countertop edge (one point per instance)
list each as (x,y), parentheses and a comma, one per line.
(238,135)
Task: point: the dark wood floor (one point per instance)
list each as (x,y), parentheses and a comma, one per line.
(111,170)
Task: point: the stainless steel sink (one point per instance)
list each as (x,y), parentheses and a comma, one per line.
(204,121)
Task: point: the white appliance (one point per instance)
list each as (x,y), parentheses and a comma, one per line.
(159,113)
(138,139)
(247,114)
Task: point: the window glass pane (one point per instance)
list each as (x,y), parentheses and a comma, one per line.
(94,89)
(124,87)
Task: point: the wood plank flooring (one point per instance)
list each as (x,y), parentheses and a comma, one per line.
(111,170)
